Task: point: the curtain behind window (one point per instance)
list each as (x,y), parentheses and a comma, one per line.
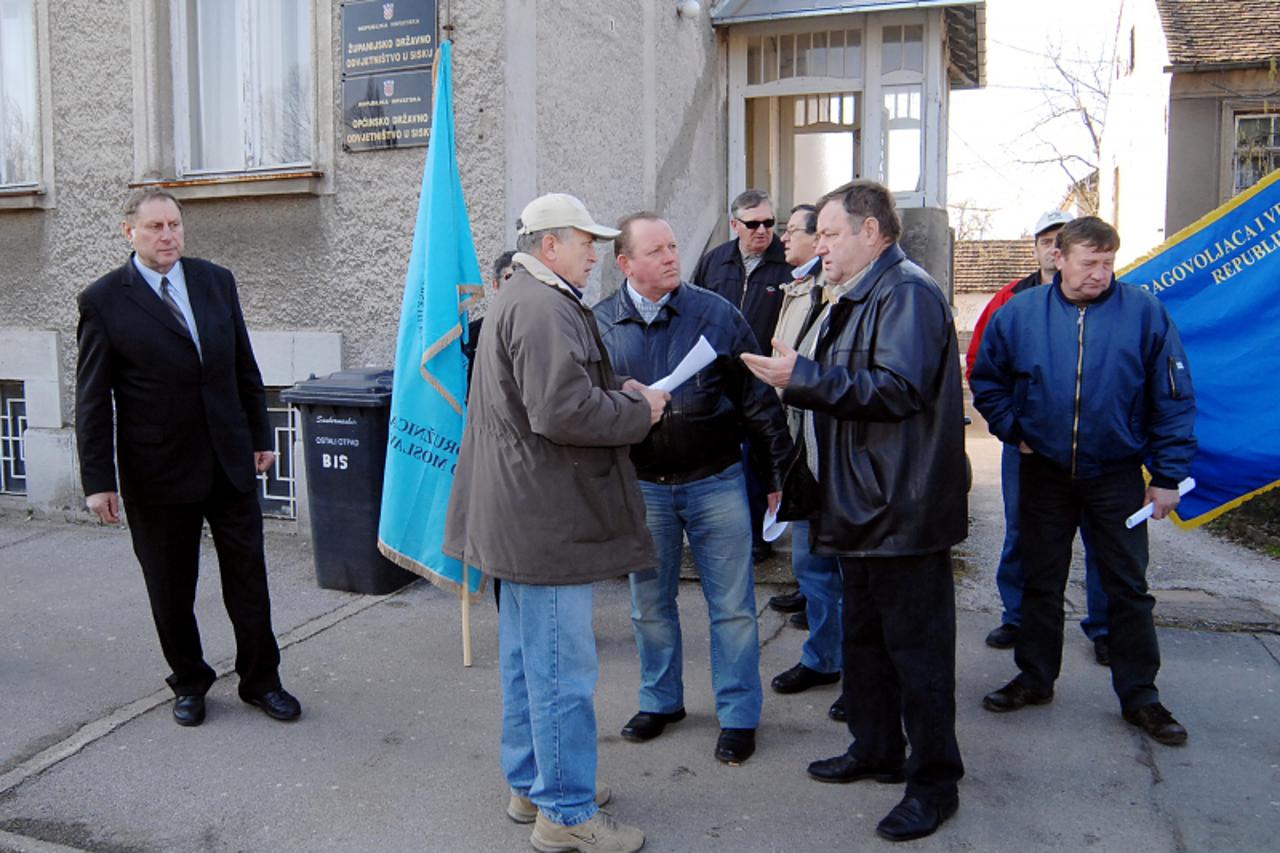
(249,84)
(19,161)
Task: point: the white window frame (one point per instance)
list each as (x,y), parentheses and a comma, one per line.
(869,87)
(182,105)
(1232,114)
(156,79)
(38,194)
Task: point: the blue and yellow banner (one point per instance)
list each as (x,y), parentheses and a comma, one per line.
(428,397)
(1220,280)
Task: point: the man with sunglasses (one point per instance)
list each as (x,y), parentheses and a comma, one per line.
(750,271)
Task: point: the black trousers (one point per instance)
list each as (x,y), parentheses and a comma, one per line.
(1052,505)
(900,667)
(166,539)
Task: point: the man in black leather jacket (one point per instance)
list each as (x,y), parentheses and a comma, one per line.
(692,479)
(882,462)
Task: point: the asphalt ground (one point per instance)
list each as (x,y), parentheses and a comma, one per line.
(397,748)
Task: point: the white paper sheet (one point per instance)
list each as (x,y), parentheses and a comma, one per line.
(1145,513)
(699,357)
(772,527)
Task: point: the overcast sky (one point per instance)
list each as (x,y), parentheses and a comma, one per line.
(991,128)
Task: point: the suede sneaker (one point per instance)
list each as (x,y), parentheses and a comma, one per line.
(522,810)
(600,834)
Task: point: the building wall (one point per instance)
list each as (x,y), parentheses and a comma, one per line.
(1135,143)
(1194,153)
(615,101)
(1202,127)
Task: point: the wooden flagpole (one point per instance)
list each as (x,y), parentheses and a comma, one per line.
(466,616)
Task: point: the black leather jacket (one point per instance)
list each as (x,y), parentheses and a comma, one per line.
(889,420)
(721,271)
(709,415)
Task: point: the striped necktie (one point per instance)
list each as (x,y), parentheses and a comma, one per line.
(166,296)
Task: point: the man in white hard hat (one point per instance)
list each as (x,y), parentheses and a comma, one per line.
(1009,574)
(545,498)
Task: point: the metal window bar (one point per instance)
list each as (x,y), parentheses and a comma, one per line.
(277,488)
(13,426)
(1257,151)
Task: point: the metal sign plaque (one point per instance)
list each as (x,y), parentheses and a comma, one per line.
(382,111)
(378,36)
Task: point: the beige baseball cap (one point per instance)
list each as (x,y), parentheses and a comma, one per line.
(560,210)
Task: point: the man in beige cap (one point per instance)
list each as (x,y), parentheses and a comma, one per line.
(545,498)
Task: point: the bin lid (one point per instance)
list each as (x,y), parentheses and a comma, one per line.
(370,387)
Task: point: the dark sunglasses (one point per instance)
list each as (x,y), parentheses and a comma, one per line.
(753,224)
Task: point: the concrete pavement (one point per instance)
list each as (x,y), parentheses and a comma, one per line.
(397,748)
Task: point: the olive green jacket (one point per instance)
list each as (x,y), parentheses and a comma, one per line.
(544,491)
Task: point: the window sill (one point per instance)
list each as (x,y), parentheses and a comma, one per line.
(24,198)
(240,186)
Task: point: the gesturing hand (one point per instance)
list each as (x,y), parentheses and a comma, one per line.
(773,370)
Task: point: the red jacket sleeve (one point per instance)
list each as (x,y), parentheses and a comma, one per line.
(1002,296)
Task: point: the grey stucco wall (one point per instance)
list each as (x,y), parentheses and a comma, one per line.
(1197,137)
(1194,161)
(596,99)
(337,262)
(630,111)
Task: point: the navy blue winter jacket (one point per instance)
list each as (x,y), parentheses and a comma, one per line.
(1094,388)
(759,298)
(708,417)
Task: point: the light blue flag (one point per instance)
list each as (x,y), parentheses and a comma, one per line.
(1220,280)
(428,397)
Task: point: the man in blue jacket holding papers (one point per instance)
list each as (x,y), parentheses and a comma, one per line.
(691,475)
(1088,378)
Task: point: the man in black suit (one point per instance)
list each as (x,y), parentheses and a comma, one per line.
(164,337)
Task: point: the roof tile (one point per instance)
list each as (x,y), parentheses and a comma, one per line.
(985,266)
(1221,31)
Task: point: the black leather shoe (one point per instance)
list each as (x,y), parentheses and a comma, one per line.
(648,725)
(1015,695)
(800,678)
(791,603)
(1003,637)
(276,704)
(799,620)
(1155,720)
(761,552)
(1102,651)
(845,768)
(837,712)
(735,746)
(188,710)
(912,819)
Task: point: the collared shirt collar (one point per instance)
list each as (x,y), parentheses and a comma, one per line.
(807,268)
(177,279)
(177,289)
(892,254)
(647,308)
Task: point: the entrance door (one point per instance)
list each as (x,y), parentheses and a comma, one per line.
(801,146)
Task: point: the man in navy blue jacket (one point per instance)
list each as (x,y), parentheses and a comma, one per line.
(750,271)
(691,475)
(1088,378)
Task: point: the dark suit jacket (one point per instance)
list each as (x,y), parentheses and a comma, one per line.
(177,419)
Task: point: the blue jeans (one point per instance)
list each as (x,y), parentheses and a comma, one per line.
(1010,578)
(819,579)
(713,512)
(549,669)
